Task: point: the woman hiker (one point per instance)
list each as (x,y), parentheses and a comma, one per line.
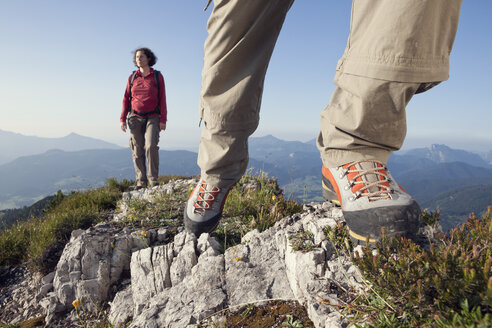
(145,105)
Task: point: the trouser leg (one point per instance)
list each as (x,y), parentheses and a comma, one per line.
(365,119)
(395,48)
(152,148)
(242,35)
(137,144)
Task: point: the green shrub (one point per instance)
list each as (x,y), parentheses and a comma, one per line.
(339,238)
(446,286)
(302,241)
(123,185)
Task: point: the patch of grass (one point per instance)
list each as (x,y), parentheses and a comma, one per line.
(28,240)
(164,210)
(275,313)
(449,285)
(123,185)
(255,202)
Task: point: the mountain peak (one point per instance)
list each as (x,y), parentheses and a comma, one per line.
(440,153)
(438,147)
(15,145)
(269,137)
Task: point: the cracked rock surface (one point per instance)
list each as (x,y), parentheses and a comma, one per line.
(158,281)
(263,267)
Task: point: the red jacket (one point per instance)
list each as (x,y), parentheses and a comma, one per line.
(144,95)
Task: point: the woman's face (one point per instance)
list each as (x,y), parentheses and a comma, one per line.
(141,59)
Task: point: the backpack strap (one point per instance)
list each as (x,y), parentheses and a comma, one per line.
(134,73)
(156,79)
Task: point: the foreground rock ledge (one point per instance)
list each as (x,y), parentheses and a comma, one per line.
(188,280)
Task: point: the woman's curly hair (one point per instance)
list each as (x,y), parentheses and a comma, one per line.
(150,56)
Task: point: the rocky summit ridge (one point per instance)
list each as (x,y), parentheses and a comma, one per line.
(170,278)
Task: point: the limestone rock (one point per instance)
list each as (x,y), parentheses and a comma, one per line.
(178,280)
(264,267)
(120,307)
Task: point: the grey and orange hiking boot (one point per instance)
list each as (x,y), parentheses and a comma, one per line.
(204,208)
(370,200)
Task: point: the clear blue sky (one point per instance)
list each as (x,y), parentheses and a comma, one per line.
(66,64)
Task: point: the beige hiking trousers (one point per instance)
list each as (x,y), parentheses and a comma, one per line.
(396,48)
(144,140)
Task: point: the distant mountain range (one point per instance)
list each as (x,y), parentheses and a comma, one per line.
(444,154)
(456,181)
(13,145)
(29,178)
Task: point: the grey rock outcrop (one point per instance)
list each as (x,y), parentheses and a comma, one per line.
(92,262)
(262,268)
(172,279)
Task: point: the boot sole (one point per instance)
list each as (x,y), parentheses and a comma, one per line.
(328,194)
(197,228)
(396,220)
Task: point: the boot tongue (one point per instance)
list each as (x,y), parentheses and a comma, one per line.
(370,178)
(208,192)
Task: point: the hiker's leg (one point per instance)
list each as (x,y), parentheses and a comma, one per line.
(242,35)
(137,145)
(152,149)
(365,120)
(395,49)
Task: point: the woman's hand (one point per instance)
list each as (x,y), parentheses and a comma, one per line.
(123,126)
(162,126)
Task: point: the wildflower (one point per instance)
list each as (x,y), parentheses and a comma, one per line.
(237,259)
(131,215)
(274,197)
(75,304)
(143,233)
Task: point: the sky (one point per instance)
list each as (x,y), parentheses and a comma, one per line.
(66,64)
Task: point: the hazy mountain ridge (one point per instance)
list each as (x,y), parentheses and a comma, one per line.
(29,178)
(459,203)
(487,157)
(444,154)
(270,148)
(14,145)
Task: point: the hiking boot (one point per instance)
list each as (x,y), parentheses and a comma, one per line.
(204,208)
(370,200)
(137,187)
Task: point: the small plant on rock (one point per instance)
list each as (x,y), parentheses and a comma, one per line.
(291,322)
(339,238)
(302,241)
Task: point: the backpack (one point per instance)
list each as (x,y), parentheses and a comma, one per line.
(157,110)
